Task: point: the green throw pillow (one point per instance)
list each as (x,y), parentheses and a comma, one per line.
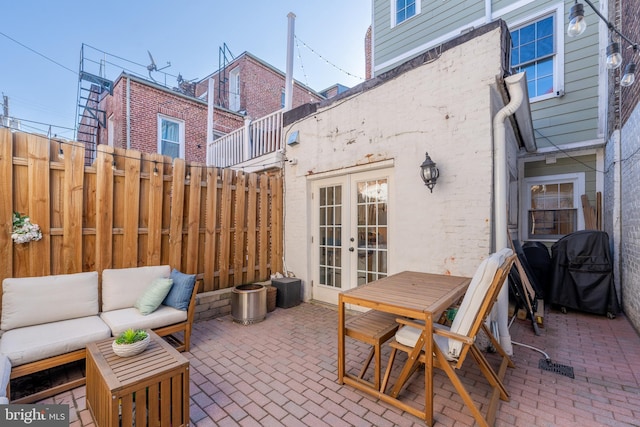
(153,295)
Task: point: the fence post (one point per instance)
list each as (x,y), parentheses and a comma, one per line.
(246,155)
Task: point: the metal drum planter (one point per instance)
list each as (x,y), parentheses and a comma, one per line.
(249,304)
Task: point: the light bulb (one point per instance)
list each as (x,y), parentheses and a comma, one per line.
(577,23)
(629,75)
(614,59)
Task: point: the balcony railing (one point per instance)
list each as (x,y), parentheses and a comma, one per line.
(256,138)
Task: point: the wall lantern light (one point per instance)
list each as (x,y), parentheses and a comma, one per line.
(429,172)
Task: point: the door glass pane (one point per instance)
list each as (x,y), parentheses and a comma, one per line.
(372,230)
(330,236)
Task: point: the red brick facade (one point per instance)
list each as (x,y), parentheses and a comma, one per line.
(148,102)
(261,87)
(367,54)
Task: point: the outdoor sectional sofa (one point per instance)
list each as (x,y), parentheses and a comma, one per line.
(48,321)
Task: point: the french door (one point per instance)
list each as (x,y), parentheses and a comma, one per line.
(349,233)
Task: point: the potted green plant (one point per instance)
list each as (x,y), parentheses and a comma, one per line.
(131,342)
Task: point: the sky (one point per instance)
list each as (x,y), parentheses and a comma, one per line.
(41,41)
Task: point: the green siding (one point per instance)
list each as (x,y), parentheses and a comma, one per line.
(436,19)
(571,118)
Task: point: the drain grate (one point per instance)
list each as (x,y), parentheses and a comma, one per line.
(548,365)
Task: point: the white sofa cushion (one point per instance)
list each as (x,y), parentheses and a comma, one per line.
(31,343)
(28,301)
(123,319)
(121,287)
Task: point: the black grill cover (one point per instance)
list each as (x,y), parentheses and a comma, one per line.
(539,260)
(582,273)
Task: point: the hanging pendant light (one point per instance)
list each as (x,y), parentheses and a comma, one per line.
(629,75)
(614,59)
(577,23)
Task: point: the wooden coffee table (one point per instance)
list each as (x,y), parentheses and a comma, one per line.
(151,388)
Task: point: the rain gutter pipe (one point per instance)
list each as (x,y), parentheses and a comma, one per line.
(500,185)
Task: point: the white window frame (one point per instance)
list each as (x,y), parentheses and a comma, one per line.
(558,38)
(394,12)
(180,123)
(234,89)
(578,181)
(111,130)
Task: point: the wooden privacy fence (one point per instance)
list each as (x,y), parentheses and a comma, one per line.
(131,209)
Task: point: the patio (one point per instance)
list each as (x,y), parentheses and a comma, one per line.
(282,371)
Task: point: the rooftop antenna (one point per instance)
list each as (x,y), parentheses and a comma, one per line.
(153,67)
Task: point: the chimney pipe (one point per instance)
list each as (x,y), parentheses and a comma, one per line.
(288,83)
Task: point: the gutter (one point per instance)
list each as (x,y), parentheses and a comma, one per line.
(516,85)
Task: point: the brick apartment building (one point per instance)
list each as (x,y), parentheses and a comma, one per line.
(149,117)
(249,85)
(140,110)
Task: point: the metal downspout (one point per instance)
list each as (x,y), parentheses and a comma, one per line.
(500,185)
(488,12)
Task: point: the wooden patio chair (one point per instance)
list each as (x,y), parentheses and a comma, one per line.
(374,328)
(451,345)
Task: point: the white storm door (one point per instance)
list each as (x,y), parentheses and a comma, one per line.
(349,234)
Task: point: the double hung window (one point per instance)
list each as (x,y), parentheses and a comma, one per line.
(552,206)
(170,137)
(404,9)
(533,49)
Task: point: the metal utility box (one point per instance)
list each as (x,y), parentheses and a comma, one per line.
(289,291)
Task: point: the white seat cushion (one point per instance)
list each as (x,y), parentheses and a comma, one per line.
(31,343)
(408,335)
(123,319)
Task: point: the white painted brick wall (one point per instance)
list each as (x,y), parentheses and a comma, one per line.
(630,195)
(443,107)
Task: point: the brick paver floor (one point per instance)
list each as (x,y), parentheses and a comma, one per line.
(282,372)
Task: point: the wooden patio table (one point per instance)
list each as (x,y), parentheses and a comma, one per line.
(149,389)
(410,294)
